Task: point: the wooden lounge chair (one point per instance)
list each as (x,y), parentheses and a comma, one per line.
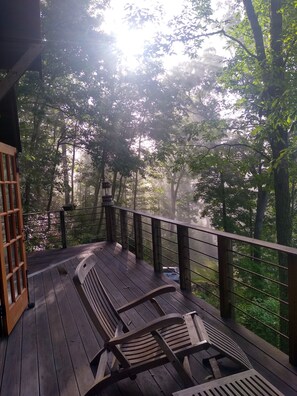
(247,383)
(169,338)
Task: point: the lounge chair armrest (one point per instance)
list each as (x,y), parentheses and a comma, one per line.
(156,324)
(148,296)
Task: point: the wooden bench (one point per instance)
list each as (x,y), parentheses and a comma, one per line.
(249,383)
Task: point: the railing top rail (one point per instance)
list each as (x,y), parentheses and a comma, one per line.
(235,237)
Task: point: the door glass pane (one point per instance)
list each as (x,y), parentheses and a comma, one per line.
(8,206)
(1,162)
(4,167)
(6,259)
(9,292)
(3,229)
(1,199)
(11,167)
(14,195)
(11,220)
(16,224)
(17,285)
(7,228)
(20,251)
(14,261)
(22,277)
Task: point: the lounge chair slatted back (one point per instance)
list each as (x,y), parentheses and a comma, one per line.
(226,345)
(99,306)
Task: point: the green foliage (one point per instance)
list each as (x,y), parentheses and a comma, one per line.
(261,317)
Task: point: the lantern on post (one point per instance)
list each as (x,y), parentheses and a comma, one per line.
(106,197)
(107,203)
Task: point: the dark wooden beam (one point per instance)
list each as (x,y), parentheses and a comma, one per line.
(19,68)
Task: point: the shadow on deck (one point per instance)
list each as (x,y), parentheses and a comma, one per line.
(49,350)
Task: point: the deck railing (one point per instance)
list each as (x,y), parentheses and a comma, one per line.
(64,228)
(251,281)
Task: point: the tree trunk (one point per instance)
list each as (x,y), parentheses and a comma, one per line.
(274,88)
(119,194)
(224,206)
(72,172)
(98,183)
(136,177)
(174,188)
(51,191)
(262,200)
(114,184)
(65,174)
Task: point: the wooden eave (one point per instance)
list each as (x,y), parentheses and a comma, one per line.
(20,48)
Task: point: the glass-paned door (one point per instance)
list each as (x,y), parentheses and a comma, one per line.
(13,282)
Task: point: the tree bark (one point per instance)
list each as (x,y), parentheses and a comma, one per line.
(65,174)
(274,88)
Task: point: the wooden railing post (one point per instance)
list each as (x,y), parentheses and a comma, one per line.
(184,258)
(157,245)
(138,236)
(124,229)
(225,276)
(110,223)
(63,229)
(292,300)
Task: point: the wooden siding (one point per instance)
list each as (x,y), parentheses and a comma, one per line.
(49,350)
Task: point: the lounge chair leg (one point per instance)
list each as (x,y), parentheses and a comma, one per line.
(177,364)
(109,379)
(187,367)
(212,362)
(217,356)
(215,368)
(96,358)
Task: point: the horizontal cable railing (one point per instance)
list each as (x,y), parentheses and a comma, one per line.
(251,281)
(248,280)
(52,230)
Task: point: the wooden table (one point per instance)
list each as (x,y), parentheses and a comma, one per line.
(249,383)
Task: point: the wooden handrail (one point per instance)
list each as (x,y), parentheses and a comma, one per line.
(235,237)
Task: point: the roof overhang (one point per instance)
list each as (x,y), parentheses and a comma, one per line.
(19,29)
(20,48)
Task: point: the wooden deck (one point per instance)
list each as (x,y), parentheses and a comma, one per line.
(49,350)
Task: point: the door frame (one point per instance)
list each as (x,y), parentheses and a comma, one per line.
(13,261)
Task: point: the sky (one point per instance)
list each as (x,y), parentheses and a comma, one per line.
(132,41)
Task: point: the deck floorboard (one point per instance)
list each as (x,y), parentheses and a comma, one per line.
(49,350)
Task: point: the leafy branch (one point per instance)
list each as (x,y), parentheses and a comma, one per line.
(230,145)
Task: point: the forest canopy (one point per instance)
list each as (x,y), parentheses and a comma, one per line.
(201,125)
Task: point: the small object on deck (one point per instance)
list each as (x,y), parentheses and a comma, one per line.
(246,383)
(169,338)
(62,270)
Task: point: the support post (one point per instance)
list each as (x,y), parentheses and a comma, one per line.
(124,229)
(157,245)
(292,300)
(184,258)
(63,229)
(138,236)
(225,276)
(110,223)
